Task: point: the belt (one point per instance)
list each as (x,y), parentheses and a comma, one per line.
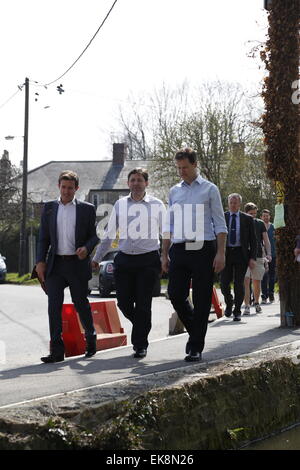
(233,248)
(140,254)
(205,242)
(67,257)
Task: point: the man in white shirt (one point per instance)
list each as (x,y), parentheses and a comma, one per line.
(138,219)
(198,236)
(67,237)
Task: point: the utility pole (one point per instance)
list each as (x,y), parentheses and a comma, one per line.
(22,247)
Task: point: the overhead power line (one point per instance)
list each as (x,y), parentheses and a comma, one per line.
(11,97)
(84,50)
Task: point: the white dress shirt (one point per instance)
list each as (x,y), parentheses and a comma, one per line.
(137,224)
(65,228)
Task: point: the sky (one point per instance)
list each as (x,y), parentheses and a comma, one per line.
(142,45)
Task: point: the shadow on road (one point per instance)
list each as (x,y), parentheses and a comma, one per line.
(158,358)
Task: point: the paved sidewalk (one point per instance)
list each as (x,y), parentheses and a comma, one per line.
(225,339)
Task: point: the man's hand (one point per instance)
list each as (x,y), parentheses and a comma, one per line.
(252,263)
(165,261)
(219,262)
(81,252)
(95,266)
(165,264)
(41,270)
(269,258)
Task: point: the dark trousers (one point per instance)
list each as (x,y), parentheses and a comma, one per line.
(194,266)
(268,281)
(235,270)
(67,273)
(135,276)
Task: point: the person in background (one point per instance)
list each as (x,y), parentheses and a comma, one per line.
(297,249)
(268,281)
(257,273)
(240,253)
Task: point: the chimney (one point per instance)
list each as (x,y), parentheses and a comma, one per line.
(120,153)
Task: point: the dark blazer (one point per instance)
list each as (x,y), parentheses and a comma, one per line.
(247,235)
(85,233)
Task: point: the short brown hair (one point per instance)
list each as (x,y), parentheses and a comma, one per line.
(188,153)
(139,171)
(250,206)
(69,176)
(266,211)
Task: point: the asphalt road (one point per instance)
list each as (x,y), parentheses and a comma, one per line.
(24,339)
(24,323)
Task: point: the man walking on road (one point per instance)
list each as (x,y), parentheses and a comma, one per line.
(138,219)
(197,250)
(240,253)
(67,237)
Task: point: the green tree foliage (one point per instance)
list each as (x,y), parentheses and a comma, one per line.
(9,201)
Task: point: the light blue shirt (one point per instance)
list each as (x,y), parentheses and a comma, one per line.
(199,213)
(238,234)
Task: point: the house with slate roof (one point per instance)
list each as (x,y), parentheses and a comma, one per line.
(100,182)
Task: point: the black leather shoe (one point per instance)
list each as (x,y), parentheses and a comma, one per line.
(140,353)
(193,357)
(90,352)
(236,316)
(91,348)
(52,358)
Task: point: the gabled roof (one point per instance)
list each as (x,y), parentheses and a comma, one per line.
(100,174)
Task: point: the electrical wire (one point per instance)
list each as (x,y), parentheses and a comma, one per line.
(84,50)
(11,97)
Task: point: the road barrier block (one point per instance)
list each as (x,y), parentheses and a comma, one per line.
(110,333)
(176,326)
(218,308)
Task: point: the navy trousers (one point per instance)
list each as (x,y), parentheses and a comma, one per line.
(235,270)
(194,266)
(67,272)
(135,276)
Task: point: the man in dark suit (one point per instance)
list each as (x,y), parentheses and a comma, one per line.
(240,253)
(67,237)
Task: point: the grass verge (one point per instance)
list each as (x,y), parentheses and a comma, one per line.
(14,278)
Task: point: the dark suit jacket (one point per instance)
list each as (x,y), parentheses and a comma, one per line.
(85,233)
(247,235)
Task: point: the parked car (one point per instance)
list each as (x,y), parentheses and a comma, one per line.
(104,281)
(3,270)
